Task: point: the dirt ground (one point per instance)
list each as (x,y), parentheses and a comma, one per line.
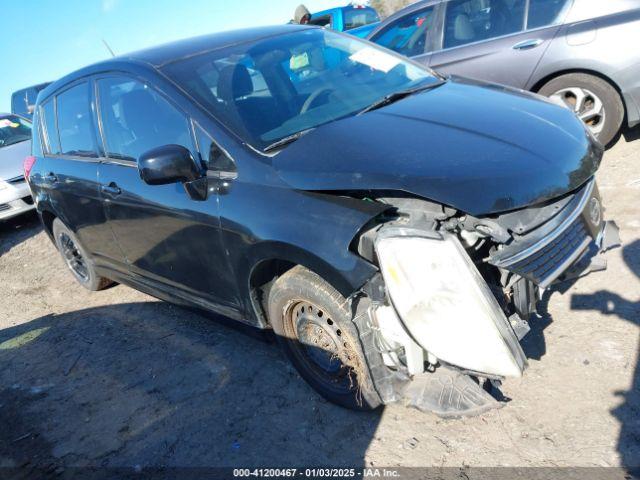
(117,378)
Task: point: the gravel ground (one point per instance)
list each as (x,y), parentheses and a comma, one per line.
(117,378)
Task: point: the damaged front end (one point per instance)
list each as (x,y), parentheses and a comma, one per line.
(455,293)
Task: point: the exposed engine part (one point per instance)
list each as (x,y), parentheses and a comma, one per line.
(524,298)
(487,228)
(409,212)
(520,326)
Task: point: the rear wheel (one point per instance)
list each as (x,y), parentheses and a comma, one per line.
(313,324)
(593,100)
(76,258)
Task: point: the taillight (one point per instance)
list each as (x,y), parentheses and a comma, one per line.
(28,164)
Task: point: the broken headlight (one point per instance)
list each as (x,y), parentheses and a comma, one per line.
(445,304)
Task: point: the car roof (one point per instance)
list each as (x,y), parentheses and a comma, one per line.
(161,55)
(346,7)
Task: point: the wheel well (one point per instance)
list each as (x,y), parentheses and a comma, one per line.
(47,220)
(540,83)
(262,277)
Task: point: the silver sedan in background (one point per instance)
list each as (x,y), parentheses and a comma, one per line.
(581,53)
(15,146)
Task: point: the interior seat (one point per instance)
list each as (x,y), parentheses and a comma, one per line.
(255,114)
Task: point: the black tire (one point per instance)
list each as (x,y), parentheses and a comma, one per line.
(611,100)
(307,313)
(76,258)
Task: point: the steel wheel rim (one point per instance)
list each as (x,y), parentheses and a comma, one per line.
(585,104)
(74,259)
(320,345)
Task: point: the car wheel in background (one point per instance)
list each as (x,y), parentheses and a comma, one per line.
(595,101)
(76,258)
(313,324)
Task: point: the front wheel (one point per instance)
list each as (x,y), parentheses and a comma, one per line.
(76,258)
(313,324)
(592,99)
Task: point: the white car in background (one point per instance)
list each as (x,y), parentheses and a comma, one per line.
(15,145)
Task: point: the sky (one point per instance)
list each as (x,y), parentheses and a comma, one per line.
(46,39)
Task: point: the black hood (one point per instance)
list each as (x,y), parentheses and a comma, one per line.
(479,148)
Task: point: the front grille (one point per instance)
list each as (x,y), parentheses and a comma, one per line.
(549,262)
(545,253)
(4,206)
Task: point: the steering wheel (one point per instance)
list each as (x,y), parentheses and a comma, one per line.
(312,98)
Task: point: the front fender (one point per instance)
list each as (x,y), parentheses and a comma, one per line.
(305,228)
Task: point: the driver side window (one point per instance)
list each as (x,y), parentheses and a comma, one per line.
(135,119)
(408,34)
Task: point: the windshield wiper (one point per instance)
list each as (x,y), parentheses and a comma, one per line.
(400,94)
(286,140)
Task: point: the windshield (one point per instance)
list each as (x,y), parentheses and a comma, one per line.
(275,87)
(13,129)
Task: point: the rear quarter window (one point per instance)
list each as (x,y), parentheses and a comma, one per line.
(359,17)
(50,130)
(36,135)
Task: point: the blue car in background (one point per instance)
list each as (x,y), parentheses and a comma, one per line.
(356,19)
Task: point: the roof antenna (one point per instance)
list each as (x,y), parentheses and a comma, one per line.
(108,47)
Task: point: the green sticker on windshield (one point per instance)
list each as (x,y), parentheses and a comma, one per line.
(299,61)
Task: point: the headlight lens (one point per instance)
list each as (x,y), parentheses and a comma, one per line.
(447,306)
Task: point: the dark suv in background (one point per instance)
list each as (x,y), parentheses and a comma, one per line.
(581,53)
(306,181)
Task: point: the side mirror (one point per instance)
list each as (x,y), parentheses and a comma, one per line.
(168,164)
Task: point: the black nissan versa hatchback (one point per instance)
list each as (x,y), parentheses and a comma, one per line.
(394,228)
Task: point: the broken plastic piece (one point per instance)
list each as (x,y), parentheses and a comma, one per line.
(520,326)
(449,394)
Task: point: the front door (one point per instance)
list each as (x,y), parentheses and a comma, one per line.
(492,40)
(170,240)
(410,35)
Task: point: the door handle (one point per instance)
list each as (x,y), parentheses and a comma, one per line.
(111,189)
(527,44)
(51,177)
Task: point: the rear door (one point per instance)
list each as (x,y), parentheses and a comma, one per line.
(498,41)
(68,170)
(170,240)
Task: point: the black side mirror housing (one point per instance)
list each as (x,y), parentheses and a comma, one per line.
(168,164)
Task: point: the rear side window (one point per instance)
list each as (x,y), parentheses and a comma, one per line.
(75,126)
(36,135)
(407,35)
(323,21)
(52,142)
(469,21)
(545,12)
(359,17)
(136,119)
